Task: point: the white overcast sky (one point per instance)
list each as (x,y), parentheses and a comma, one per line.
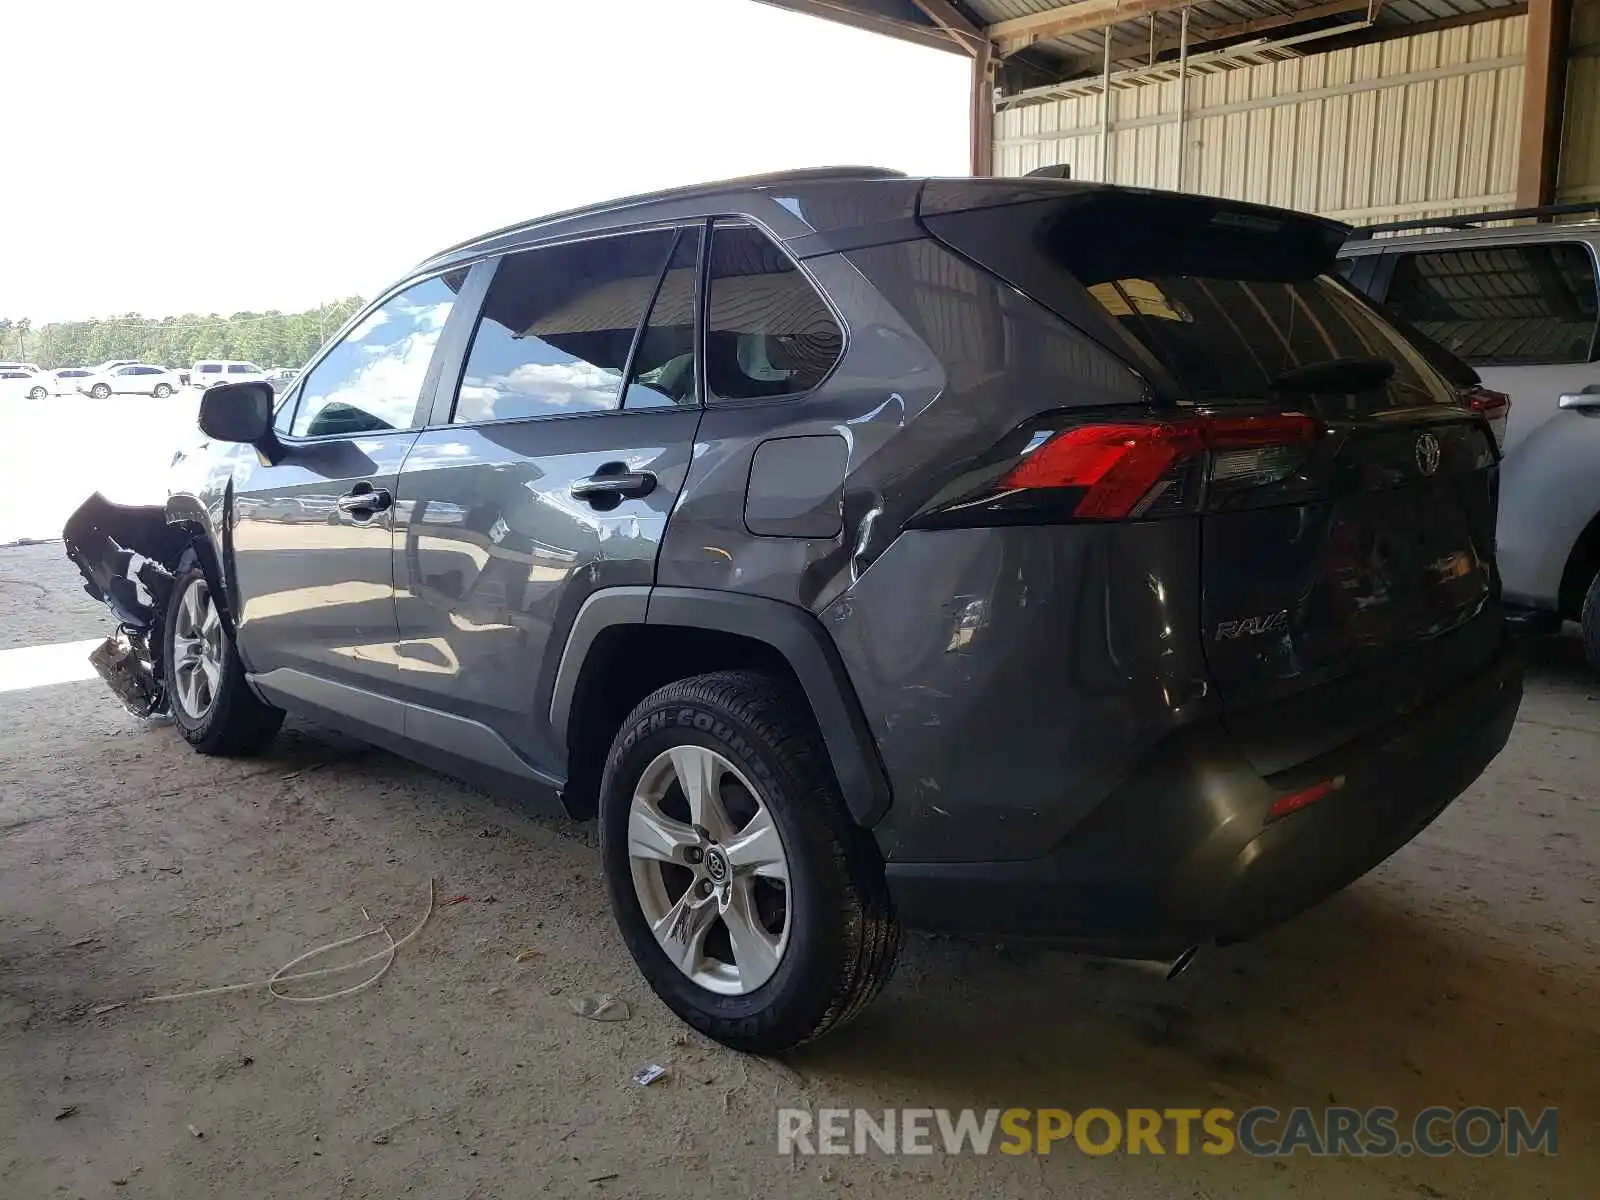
(174,156)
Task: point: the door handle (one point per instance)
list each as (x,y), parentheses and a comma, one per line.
(605,484)
(1584,401)
(364,500)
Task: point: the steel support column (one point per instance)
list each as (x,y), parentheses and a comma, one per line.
(1543,93)
(981,117)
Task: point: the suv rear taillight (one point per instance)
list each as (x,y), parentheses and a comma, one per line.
(1493,407)
(1125,469)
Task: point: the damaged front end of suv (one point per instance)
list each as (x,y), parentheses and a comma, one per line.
(127,556)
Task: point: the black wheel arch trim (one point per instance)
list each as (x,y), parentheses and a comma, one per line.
(188,512)
(792,631)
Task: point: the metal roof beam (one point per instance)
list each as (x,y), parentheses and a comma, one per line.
(962,31)
(845,12)
(1020,32)
(1205,35)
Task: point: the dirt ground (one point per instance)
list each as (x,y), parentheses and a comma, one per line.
(1464,971)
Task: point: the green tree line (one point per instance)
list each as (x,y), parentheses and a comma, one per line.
(269,339)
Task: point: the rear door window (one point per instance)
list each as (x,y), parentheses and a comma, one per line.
(557,328)
(663,373)
(768,332)
(1501,305)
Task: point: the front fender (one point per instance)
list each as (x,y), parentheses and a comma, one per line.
(209,536)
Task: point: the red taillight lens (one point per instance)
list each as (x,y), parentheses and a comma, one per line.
(1490,403)
(1493,406)
(1122,469)
(1117,465)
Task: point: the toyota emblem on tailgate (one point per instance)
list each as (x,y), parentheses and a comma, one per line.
(1427,451)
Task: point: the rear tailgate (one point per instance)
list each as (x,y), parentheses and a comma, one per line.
(1358,581)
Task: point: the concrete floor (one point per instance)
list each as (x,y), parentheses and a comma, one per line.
(1464,971)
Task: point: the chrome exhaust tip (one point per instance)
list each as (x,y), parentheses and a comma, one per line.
(1167,969)
(1181,963)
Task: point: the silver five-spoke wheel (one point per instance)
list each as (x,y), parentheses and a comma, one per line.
(709,870)
(196,652)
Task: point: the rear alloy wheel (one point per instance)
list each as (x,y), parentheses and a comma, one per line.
(100,391)
(37,393)
(724,867)
(753,904)
(211,703)
(162,391)
(1589,620)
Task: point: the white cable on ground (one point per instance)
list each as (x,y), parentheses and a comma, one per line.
(279,977)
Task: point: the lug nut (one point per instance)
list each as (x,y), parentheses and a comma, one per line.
(693,854)
(705,887)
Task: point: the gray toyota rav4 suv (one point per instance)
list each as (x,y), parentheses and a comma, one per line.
(1018,556)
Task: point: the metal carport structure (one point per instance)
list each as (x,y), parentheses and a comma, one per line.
(1512,86)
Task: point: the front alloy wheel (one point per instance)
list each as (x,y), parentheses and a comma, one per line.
(196,651)
(709,870)
(210,699)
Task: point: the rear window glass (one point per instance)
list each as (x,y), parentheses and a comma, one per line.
(1212,302)
(1501,305)
(1225,340)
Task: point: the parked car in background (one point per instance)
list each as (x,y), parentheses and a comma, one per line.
(15,383)
(282,378)
(224,370)
(988,555)
(1521,306)
(136,378)
(20,366)
(68,379)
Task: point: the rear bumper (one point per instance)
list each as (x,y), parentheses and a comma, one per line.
(1183,852)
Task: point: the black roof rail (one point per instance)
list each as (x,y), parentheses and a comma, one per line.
(1473,220)
(768,179)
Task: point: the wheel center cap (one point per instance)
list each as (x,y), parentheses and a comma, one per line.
(717,869)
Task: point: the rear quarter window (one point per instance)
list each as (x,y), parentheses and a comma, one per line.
(768,332)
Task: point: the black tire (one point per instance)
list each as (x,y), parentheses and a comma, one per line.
(843,938)
(1589,619)
(100,391)
(37,393)
(162,391)
(238,723)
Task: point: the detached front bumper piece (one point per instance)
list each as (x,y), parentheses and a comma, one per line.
(128,674)
(124,554)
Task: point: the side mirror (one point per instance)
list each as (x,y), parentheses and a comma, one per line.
(241,412)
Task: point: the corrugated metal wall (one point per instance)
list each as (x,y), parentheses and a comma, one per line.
(1580,126)
(1413,127)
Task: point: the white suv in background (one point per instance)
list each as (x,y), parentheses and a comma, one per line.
(15,381)
(224,370)
(1519,304)
(137,378)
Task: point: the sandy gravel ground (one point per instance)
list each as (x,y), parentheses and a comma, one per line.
(1464,971)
